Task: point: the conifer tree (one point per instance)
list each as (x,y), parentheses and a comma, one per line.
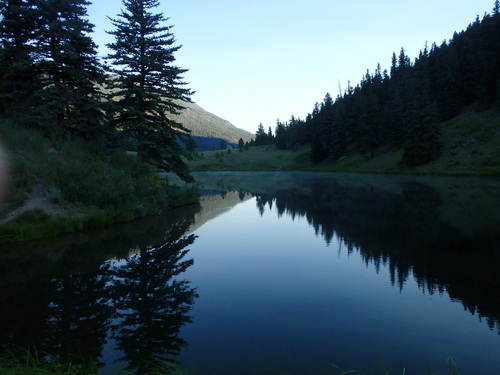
(66,59)
(423,143)
(270,136)
(280,138)
(449,100)
(18,77)
(370,130)
(260,136)
(148,87)
(338,137)
(321,126)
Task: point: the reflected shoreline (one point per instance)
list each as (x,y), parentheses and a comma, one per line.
(444,232)
(124,285)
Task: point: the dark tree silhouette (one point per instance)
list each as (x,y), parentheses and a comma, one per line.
(402,108)
(423,143)
(147,87)
(18,76)
(69,69)
(151,302)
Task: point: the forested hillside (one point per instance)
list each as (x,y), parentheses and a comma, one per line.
(403,108)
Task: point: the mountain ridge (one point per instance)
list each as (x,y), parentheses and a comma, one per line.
(205,124)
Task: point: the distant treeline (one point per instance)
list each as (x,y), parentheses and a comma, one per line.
(212,143)
(404,106)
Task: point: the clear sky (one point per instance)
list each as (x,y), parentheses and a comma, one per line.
(257,61)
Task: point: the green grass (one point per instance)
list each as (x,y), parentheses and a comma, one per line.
(472,143)
(261,158)
(87,187)
(32,362)
(17,361)
(471,147)
(33,365)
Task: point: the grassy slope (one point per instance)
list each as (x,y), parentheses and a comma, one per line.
(262,158)
(205,124)
(471,146)
(202,123)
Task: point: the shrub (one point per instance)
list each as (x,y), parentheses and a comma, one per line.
(104,188)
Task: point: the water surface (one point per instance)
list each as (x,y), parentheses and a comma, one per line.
(275,273)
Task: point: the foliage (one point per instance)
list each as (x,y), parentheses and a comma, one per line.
(18,75)
(471,144)
(147,87)
(423,142)
(52,80)
(261,136)
(33,365)
(99,189)
(50,67)
(400,110)
(66,60)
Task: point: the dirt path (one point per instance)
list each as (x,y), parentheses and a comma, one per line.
(37,199)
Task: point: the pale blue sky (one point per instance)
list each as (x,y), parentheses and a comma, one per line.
(253,62)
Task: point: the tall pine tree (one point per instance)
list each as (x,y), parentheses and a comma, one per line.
(260,136)
(147,88)
(338,136)
(66,58)
(280,138)
(423,143)
(18,77)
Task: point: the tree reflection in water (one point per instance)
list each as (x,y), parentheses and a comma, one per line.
(78,315)
(150,303)
(67,299)
(413,228)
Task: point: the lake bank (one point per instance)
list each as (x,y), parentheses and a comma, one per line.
(72,185)
(471,147)
(65,187)
(268,158)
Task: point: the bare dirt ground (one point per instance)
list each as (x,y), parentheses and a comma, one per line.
(37,199)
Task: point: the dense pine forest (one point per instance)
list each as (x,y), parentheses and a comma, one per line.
(404,106)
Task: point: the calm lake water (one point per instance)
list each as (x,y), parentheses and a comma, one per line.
(274,273)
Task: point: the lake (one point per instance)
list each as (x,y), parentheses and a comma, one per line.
(274,273)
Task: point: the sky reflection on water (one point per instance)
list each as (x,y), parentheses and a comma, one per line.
(274,296)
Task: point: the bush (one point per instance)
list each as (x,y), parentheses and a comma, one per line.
(104,188)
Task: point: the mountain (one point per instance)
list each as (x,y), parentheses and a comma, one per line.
(208,129)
